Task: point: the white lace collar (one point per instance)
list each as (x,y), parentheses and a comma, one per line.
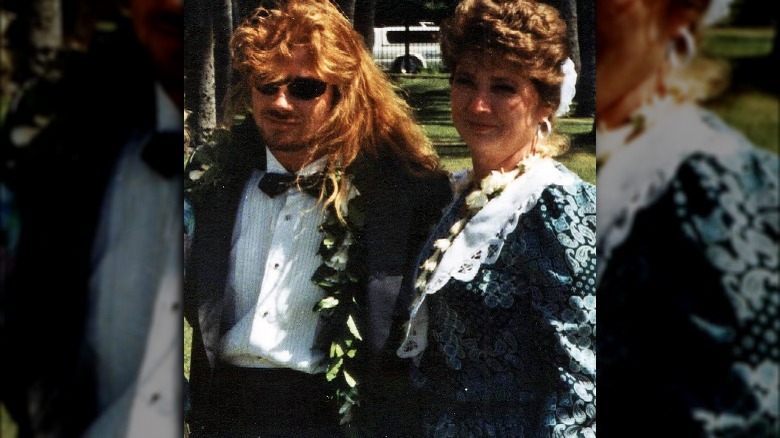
(470,249)
(636,173)
(495,220)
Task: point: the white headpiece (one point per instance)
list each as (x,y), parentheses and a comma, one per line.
(716,11)
(567,87)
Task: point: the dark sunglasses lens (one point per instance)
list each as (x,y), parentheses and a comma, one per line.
(307,88)
(268,89)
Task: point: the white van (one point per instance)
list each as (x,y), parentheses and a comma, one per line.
(389,49)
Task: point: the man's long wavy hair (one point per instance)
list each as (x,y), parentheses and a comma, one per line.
(529,36)
(367,113)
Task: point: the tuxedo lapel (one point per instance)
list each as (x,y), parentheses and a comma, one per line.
(385,241)
(210,252)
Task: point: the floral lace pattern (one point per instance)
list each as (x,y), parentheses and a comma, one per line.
(512,350)
(735,221)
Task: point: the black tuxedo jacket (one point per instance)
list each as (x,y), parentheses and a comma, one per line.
(401,211)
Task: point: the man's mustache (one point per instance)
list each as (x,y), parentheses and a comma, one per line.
(278,114)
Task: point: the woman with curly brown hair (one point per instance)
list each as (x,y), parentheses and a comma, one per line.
(503,325)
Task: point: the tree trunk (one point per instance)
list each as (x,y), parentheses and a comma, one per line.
(586,83)
(223,28)
(364,20)
(242,8)
(347,7)
(45,34)
(773,57)
(199,70)
(46,25)
(8,61)
(569,13)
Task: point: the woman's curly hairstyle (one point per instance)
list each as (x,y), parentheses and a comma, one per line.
(528,35)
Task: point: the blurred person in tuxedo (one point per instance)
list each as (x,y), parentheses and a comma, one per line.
(687,235)
(93,306)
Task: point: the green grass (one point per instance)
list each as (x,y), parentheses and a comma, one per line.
(747,104)
(187,348)
(737,42)
(429,97)
(7,427)
(754,113)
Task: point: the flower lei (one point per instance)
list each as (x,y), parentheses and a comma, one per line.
(489,187)
(338,274)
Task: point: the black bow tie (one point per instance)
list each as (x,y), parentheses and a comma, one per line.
(274,183)
(163,153)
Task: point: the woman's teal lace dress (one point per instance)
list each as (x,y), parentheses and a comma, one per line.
(510,315)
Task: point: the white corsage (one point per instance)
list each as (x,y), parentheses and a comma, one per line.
(568,87)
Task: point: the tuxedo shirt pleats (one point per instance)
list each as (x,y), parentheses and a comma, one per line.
(269,319)
(134,326)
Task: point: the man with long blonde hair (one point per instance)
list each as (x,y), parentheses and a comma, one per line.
(309,207)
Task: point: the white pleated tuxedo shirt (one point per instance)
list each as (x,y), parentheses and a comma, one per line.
(269,297)
(135,321)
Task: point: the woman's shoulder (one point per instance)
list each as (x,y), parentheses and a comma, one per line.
(734,171)
(570,211)
(567,209)
(569,189)
(728,199)
(555,199)
(189,217)
(746,169)
(547,192)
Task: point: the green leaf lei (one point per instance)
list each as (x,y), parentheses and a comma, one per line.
(339,275)
(339,278)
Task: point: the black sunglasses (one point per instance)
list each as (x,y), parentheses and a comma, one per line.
(299,88)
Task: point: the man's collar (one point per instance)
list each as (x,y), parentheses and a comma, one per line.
(272,165)
(169,117)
